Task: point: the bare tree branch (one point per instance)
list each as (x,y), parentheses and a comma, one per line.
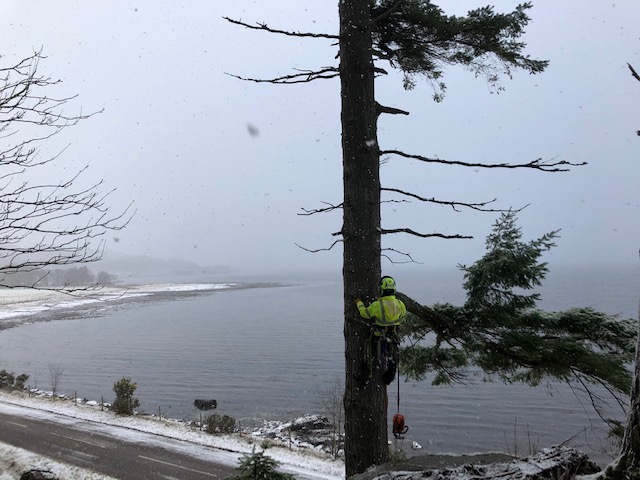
(50,223)
(264,27)
(633,72)
(538,164)
(404,254)
(302,77)
(637,77)
(422,235)
(321,210)
(454,205)
(598,402)
(320,249)
(390,110)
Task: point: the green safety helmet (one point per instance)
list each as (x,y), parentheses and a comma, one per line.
(387,286)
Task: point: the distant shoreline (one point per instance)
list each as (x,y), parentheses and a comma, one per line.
(26,305)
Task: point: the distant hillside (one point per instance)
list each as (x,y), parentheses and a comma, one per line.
(140,265)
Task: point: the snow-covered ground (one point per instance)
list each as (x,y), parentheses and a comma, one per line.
(304,463)
(24,303)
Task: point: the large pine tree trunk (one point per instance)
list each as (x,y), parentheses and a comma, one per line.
(365,405)
(627,465)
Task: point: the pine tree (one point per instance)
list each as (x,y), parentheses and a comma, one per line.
(627,465)
(259,466)
(417,38)
(499,332)
(125,401)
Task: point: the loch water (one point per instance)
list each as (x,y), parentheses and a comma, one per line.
(267,353)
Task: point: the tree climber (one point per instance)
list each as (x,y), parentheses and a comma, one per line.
(387,313)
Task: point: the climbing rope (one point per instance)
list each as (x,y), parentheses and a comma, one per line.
(399,428)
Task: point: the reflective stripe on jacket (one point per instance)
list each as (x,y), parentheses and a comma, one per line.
(394,311)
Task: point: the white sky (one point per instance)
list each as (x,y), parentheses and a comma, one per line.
(174,139)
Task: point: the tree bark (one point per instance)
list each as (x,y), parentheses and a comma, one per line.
(627,465)
(365,404)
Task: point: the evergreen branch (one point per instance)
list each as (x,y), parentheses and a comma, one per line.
(499,330)
(430,317)
(420,40)
(264,27)
(538,164)
(305,76)
(382,15)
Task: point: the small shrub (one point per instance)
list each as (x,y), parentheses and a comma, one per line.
(9,380)
(6,379)
(398,455)
(220,424)
(21,380)
(616,429)
(257,466)
(125,402)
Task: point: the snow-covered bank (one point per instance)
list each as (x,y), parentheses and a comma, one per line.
(23,305)
(304,463)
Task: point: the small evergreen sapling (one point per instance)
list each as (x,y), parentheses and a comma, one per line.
(125,402)
(259,466)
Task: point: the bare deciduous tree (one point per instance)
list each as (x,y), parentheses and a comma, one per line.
(331,400)
(43,224)
(55,376)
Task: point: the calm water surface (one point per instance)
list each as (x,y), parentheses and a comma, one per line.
(267,352)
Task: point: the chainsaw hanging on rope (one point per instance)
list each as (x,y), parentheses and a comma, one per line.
(399,428)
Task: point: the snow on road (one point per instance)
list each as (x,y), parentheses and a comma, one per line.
(15,461)
(304,464)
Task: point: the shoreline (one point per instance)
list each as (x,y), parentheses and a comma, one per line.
(302,460)
(99,318)
(23,306)
(308,462)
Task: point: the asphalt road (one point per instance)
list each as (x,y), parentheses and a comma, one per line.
(111,456)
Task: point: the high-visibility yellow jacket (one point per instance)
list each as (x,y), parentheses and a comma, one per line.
(386,311)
